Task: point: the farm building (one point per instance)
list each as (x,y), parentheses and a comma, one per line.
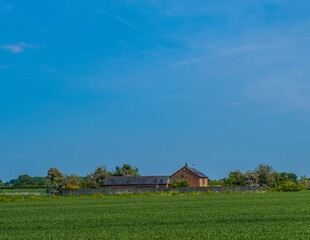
(136,182)
(192,175)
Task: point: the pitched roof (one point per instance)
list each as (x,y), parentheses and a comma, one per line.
(195,171)
(139,180)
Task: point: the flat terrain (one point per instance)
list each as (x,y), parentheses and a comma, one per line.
(244,216)
(24,191)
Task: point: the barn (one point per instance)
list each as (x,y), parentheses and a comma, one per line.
(192,175)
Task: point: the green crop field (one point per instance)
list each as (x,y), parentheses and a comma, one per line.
(41,191)
(234,216)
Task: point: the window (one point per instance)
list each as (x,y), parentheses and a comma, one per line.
(143,181)
(155,180)
(182,176)
(127,181)
(161,180)
(113,181)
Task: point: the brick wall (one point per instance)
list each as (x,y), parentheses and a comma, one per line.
(193,179)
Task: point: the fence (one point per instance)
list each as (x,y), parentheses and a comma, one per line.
(114,191)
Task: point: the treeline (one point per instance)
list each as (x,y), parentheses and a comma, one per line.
(55,180)
(265,175)
(24,181)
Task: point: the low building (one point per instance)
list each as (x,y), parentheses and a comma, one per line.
(192,175)
(137,182)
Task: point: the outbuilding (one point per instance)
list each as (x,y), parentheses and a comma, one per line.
(192,175)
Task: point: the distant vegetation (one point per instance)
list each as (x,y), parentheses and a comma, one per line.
(262,175)
(24,181)
(56,180)
(265,175)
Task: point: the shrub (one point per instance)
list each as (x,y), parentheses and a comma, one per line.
(179,183)
(72,187)
(288,186)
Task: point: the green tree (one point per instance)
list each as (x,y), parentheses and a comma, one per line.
(1,183)
(127,171)
(40,181)
(251,178)
(288,177)
(54,181)
(235,178)
(97,178)
(25,180)
(267,176)
(73,180)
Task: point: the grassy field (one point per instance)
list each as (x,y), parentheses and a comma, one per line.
(235,216)
(40,191)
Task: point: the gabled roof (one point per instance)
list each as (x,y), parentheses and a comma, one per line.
(139,180)
(195,171)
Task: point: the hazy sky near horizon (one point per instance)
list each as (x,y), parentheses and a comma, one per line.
(220,84)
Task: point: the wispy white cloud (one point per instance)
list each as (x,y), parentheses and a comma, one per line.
(20,47)
(244,48)
(119,19)
(12,48)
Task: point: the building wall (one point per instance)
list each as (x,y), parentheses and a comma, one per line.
(184,173)
(203,182)
(193,179)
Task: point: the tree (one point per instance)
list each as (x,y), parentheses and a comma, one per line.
(74,181)
(97,178)
(127,171)
(304,180)
(267,176)
(251,178)
(179,183)
(91,181)
(54,180)
(288,177)
(25,180)
(235,178)
(1,183)
(40,181)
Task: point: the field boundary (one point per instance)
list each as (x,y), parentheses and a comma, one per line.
(114,191)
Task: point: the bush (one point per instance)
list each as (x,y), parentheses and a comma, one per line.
(179,183)
(72,187)
(288,186)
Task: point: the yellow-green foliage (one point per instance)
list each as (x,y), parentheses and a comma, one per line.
(72,187)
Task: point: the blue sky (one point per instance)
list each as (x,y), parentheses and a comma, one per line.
(220,84)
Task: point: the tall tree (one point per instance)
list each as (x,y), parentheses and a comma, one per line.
(25,180)
(97,178)
(267,176)
(235,178)
(126,171)
(73,180)
(54,181)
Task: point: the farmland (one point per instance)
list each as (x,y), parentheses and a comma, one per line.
(231,216)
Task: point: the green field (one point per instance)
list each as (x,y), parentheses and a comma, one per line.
(40,191)
(234,216)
